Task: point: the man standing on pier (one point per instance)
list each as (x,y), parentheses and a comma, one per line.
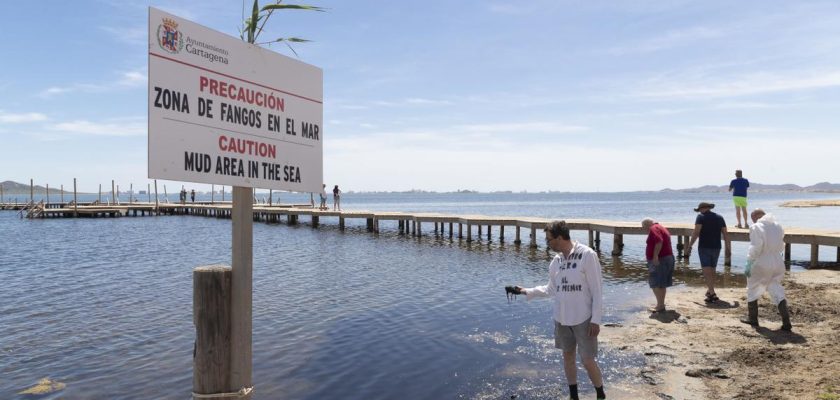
(709,227)
(766,267)
(738,187)
(574,284)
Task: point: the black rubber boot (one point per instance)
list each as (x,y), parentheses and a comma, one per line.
(783,311)
(752,308)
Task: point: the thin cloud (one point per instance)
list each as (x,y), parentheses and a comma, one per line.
(23,118)
(117,127)
(745,85)
(669,40)
(128,79)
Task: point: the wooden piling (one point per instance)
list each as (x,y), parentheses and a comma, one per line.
(518,240)
(341,223)
(212,319)
(591,239)
(315,219)
(815,254)
(157,205)
(618,244)
(469,233)
(242,288)
(450,234)
(533,236)
(460,230)
(787,252)
(501,233)
(75,200)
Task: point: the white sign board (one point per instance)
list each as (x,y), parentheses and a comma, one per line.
(226,112)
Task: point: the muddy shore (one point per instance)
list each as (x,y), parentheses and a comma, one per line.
(695,351)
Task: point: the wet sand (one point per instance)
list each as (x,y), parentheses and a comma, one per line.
(695,351)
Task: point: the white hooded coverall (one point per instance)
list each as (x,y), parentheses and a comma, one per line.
(768,266)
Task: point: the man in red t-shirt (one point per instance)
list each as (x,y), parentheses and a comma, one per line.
(660,261)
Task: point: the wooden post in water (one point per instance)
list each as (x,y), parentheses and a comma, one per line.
(157,209)
(533,237)
(518,239)
(591,239)
(75,200)
(501,233)
(469,233)
(212,315)
(815,253)
(242,216)
(618,244)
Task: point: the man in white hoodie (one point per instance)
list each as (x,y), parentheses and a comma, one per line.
(765,267)
(574,285)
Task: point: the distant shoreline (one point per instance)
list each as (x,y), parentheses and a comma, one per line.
(810,203)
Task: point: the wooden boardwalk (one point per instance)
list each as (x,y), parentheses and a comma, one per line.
(462,227)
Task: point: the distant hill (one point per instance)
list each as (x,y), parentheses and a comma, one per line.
(11,188)
(825,187)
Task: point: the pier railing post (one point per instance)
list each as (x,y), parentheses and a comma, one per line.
(212,318)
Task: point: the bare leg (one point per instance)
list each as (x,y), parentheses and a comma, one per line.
(709,277)
(570,368)
(744,211)
(593,371)
(738,215)
(660,298)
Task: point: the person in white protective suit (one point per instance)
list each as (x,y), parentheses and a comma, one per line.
(765,267)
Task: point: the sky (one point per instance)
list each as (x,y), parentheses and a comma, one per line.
(486,95)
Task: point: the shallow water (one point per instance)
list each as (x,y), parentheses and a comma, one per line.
(105,305)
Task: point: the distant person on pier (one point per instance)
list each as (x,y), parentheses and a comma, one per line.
(323,196)
(738,187)
(660,261)
(709,227)
(336,198)
(183,195)
(192,195)
(574,285)
(766,267)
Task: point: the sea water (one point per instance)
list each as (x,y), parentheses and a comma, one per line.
(105,305)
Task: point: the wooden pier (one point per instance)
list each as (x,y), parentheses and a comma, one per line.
(462,227)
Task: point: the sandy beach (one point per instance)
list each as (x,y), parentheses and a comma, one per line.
(695,351)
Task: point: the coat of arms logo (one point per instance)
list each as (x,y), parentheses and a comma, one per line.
(169,37)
